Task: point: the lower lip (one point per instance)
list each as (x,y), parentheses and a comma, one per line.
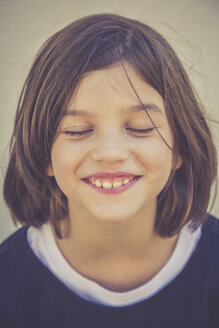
(113,190)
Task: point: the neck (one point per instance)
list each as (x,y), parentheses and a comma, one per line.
(108,238)
(106,252)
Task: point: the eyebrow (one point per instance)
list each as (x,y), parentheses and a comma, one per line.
(148,107)
(133,109)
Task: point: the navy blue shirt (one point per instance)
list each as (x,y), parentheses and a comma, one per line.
(32,297)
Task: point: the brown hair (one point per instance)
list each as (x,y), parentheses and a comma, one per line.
(88,44)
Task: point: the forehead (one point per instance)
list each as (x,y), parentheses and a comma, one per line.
(119,87)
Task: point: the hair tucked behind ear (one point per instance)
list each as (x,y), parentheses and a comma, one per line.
(89,44)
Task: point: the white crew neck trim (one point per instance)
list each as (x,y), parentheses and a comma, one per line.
(45,248)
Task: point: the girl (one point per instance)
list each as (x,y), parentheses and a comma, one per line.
(110,173)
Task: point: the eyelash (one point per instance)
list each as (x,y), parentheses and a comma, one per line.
(141,131)
(81,133)
(77,133)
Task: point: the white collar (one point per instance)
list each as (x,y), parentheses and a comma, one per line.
(45,248)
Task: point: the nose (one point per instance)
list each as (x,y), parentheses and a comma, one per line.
(110,147)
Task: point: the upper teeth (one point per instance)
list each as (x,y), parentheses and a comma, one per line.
(115,183)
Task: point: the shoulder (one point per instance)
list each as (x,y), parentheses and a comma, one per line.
(211,225)
(12,268)
(210,231)
(203,266)
(210,249)
(209,242)
(23,278)
(14,252)
(17,262)
(12,245)
(12,242)
(208,253)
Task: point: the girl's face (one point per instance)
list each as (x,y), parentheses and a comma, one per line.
(107,157)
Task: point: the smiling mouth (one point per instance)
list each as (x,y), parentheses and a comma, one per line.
(111,185)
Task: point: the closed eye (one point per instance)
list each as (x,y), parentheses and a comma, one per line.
(140,131)
(77,133)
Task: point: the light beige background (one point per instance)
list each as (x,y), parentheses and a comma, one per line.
(191,26)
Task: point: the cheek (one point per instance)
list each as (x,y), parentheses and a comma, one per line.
(154,154)
(66,158)
(62,157)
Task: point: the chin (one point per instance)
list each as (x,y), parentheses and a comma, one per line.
(115,218)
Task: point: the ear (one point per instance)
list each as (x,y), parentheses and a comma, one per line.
(49,170)
(177,162)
